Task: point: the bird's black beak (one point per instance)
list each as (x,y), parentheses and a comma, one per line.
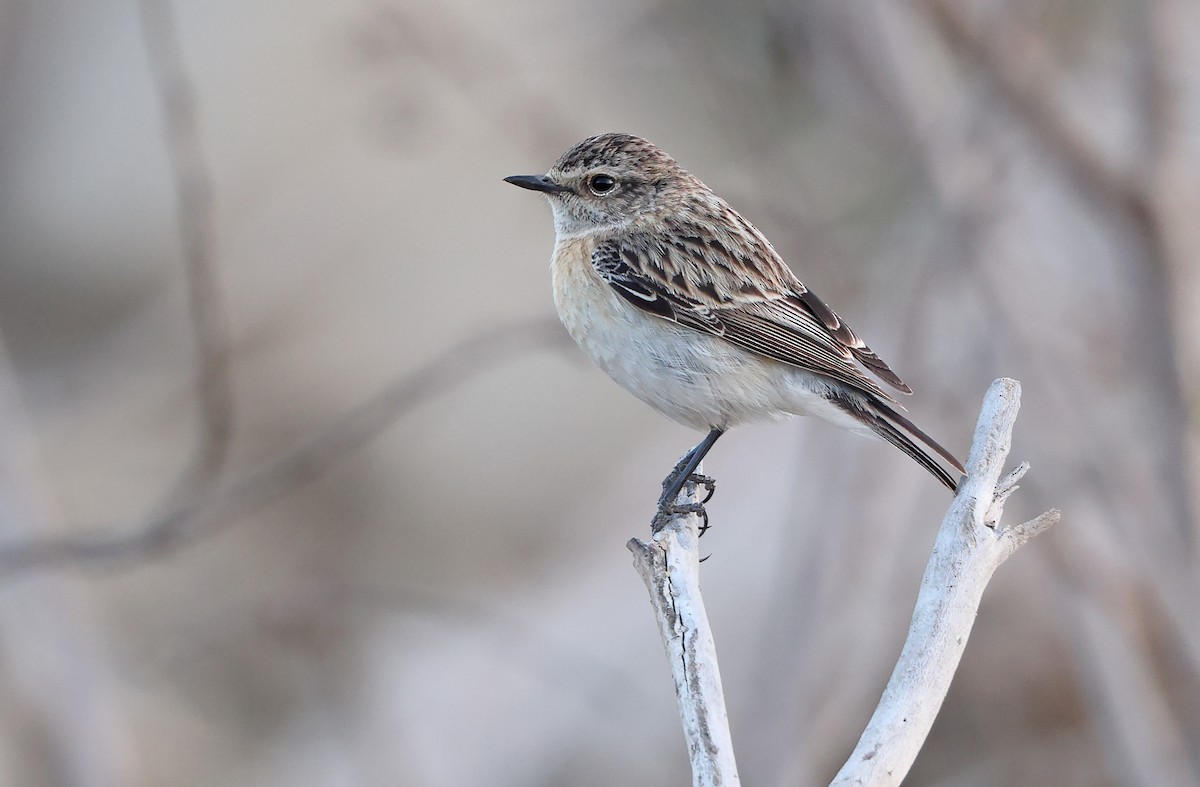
(536,183)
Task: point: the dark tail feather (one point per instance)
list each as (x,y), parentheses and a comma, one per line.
(891,426)
(916,432)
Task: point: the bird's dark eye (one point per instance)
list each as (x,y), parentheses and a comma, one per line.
(601,184)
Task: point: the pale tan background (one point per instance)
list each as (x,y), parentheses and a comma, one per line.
(982,189)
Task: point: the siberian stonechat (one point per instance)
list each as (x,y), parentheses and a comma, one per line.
(688,307)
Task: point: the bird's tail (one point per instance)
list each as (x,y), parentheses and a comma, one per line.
(905,435)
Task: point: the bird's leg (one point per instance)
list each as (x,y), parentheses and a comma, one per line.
(684,470)
(673,483)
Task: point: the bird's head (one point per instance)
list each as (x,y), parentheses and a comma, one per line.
(608,181)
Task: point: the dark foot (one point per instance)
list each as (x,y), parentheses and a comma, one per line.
(665,513)
(684,472)
(708,482)
(673,485)
(670,508)
(685,468)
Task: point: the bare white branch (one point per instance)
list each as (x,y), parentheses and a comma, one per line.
(970,546)
(670,566)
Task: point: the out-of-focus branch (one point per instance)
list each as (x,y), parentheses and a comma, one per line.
(194,195)
(970,546)
(205,514)
(1128,698)
(1157,107)
(61,687)
(670,566)
(1158,216)
(1019,69)
(437,37)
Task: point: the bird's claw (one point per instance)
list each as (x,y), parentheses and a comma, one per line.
(708,482)
(675,509)
(667,510)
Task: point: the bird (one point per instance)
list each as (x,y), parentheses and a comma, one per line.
(686,305)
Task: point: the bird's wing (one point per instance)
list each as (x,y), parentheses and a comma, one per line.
(730,283)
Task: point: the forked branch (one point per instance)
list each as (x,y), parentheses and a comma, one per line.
(970,546)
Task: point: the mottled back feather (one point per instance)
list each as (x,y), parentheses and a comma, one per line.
(706,267)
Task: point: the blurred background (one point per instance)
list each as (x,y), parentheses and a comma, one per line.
(300,482)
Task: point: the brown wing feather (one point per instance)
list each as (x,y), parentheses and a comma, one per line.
(721,276)
(849,339)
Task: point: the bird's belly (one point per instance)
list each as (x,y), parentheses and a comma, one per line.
(694,378)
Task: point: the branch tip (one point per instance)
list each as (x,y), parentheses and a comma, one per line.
(1026,531)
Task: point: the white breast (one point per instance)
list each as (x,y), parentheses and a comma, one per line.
(696,379)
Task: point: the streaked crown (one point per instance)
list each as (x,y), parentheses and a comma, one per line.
(621,151)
